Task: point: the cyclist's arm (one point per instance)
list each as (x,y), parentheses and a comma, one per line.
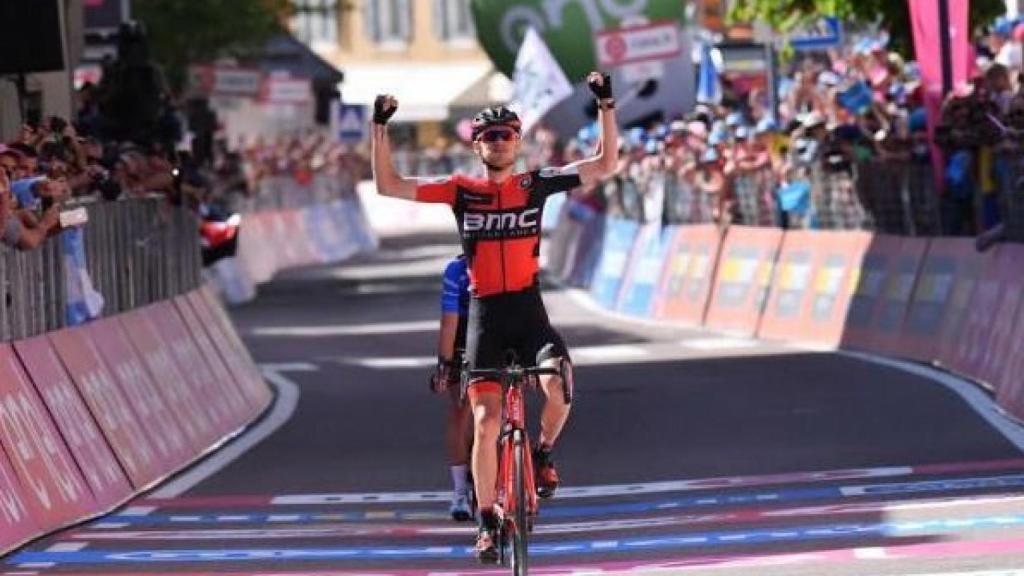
(446,341)
(606,159)
(388,181)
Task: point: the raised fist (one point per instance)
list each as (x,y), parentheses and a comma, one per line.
(600,84)
(384,107)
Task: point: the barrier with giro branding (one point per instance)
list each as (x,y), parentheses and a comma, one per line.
(971,267)
(932,298)
(169,375)
(198,376)
(813,285)
(645,268)
(85,441)
(131,442)
(16,524)
(619,237)
(242,409)
(55,492)
(1008,379)
(166,425)
(686,278)
(216,319)
(988,320)
(887,278)
(742,280)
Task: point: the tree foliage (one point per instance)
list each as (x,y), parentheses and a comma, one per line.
(892,15)
(182,32)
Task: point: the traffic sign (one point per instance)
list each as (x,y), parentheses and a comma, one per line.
(351,123)
(643,43)
(822,35)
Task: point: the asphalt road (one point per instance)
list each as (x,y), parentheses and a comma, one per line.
(687,452)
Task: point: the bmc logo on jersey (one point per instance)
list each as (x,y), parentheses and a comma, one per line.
(501,224)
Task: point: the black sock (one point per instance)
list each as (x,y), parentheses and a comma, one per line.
(488,520)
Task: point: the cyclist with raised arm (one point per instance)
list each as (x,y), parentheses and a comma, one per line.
(451,347)
(499,218)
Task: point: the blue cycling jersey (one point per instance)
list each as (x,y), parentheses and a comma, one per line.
(455,295)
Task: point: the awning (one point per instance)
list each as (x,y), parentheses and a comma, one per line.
(425,91)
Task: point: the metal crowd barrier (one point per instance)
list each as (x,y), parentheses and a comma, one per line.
(139,251)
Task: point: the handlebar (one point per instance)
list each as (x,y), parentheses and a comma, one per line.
(513,372)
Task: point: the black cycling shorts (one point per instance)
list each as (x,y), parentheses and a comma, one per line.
(514,321)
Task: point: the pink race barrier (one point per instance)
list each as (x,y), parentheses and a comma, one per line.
(165,426)
(55,493)
(127,436)
(96,460)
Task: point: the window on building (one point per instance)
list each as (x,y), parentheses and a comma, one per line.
(389,22)
(315,22)
(452,20)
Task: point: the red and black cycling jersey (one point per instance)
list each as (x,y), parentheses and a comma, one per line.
(500,223)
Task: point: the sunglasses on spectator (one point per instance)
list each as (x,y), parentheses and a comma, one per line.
(498,135)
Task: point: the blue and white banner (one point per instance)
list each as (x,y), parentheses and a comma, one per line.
(645,270)
(83,302)
(619,236)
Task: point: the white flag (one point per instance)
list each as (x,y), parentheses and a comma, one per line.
(539,83)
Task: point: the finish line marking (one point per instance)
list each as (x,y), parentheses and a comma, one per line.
(729,538)
(706,501)
(602,491)
(342,529)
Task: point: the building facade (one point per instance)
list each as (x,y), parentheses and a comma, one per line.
(424,52)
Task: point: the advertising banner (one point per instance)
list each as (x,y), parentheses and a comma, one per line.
(685,284)
(932,297)
(84,440)
(56,494)
(648,262)
(619,236)
(127,436)
(744,276)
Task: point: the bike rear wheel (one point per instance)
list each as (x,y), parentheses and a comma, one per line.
(520,524)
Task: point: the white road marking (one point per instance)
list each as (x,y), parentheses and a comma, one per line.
(974,396)
(719,343)
(36,565)
(284,407)
(109,525)
(347,329)
(137,511)
(612,352)
(67,547)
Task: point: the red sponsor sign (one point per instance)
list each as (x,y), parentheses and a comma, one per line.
(84,439)
(198,376)
(114,414)
(207,306)
(645,43)
(686,280)
(170,442)
(743,278)
(55,491)
(229,386)
(166,371)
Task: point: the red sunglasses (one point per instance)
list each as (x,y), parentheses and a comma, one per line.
(498,135)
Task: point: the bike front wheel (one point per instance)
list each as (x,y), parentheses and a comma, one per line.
(520,524)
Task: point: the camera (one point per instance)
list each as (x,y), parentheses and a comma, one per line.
(108,188)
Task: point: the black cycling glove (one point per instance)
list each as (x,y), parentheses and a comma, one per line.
(601,91)
(381,114)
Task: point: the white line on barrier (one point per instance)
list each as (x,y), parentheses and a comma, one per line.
(970,393)
(284,407)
